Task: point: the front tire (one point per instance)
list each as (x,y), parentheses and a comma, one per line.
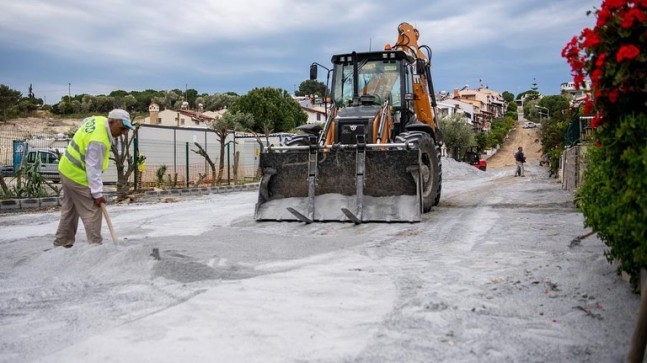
(430,166)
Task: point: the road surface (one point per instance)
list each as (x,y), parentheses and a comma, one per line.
(490,275)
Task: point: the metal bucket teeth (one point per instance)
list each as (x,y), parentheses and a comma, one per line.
(388,189)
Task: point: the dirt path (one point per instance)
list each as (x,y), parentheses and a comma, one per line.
(529,139)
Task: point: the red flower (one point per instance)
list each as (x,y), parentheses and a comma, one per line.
(603,16)
(588,106)
(596,74)
(597,121)
(601,58)
(627,52)
(613,4)
(613,95)
(591,39)
(632,15)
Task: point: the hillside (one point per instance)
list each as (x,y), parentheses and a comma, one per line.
(529,139)
(30,128)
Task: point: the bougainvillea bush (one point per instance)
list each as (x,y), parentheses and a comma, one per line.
(613,195)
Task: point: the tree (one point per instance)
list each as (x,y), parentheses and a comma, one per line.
(507,96)
(311,87)
(552,140)
(530,111)
(88,103)
(457,134)
(202,152)
(190,95)
(26,106)
(124,161)
(105,104)
(128,102)
(166,99)
(557,105)
(274,110)
(226,124)
(499,129)
(219,101)
(481,140)
(8,100)
(512,106)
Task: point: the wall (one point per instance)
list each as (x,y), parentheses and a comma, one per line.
(574,160)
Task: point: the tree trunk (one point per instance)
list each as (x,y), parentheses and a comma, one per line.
(3,185)
(639,338)
(221,160)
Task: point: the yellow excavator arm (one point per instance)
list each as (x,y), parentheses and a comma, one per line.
(408,42)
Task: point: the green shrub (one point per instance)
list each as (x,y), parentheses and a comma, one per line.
(613,196)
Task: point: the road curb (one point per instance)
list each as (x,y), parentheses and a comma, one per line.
(13,205)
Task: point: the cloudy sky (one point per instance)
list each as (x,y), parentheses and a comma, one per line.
(212,46)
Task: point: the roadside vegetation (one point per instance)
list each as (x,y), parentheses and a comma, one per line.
(613,197)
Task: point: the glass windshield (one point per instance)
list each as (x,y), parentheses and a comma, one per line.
(378,78)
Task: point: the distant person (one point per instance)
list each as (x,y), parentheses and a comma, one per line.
(80,167)
(520,158)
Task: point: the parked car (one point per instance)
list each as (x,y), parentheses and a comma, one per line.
(529,125)
(48,163)
(6,170)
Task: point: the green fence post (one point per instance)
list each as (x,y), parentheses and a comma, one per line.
(187,164)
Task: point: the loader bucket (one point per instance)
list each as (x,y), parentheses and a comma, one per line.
(323,186)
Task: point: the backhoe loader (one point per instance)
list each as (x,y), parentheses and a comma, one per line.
(376,158)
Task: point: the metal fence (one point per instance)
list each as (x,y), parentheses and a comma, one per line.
(173,147)
(176,149)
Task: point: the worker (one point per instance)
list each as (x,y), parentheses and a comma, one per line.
(520,159)
(85,159)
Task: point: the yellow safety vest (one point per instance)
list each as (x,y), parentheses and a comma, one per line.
(72,163)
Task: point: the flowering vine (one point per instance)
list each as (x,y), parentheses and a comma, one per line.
(610,56)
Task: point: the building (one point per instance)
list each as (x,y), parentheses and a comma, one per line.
(180,118)
(487,105)
(314,107)
(450,107)
(575,96)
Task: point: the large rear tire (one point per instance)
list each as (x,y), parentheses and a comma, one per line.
(430,166)
(297,140)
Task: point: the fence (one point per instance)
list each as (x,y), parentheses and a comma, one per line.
(173,147)
(574,160)
(176,149)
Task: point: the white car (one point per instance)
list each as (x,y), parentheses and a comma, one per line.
(529,125)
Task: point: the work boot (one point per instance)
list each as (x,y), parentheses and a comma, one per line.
(68,245)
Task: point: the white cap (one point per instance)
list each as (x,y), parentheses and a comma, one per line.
(123,115)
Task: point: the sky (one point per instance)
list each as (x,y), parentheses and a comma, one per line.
(95,47)
(490,275)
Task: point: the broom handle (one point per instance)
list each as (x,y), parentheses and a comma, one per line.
(107,217)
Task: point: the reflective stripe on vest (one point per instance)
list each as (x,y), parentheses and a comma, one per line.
(78,163)
(72,164)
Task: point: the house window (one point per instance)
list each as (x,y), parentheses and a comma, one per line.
(159,120)
(318,117)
